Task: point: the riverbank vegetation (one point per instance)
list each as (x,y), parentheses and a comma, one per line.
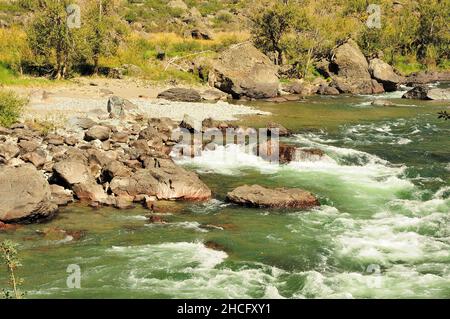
(8,254)
(160,37)
(11,107)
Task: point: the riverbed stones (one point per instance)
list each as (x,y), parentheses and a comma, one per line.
(97,132)
(90,192)
(259,196)
(71,171)
(25,195)
(8,151)
(60,195)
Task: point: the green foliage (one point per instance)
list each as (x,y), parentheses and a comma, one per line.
(11,107)
(50,37)
(8,253)
(417,29)
(271,25)
(102,30)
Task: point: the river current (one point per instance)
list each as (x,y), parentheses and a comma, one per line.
(382,231)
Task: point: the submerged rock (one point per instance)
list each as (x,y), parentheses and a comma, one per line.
(25,195)
(258,196)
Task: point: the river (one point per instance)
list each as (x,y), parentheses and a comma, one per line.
(382,231)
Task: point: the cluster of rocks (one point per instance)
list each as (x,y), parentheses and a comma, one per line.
(102,163)
(119,160)
(243,72)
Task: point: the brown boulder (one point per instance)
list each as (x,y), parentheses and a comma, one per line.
(165,180)
(349,69)
(60,195)
(243,71)
(97,132)
(384,74)
(258,196)
(71,171)
(25,195)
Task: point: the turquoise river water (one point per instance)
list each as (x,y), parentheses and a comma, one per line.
(382,231)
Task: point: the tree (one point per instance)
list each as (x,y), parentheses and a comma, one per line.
(103,30)
(271,25)
(51,38)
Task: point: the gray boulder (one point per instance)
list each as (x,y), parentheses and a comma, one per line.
(384,73)
(118,107)
(180,94)
(426,93)
(243,71)
(349,69)
(25,195)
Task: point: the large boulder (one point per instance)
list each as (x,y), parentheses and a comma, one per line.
(384,73)
(422,92)
(165,180)
(349,69)
(118,107)
(180,94)
(258,196)
(243,71)
(71,171)
(25,195)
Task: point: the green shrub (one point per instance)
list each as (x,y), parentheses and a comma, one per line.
(11,106)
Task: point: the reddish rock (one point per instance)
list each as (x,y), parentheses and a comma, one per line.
(258,196)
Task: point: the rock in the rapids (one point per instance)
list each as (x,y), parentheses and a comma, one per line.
(258,196)
(286,153)
(25,195)
(163,179)
(422,92)
(276,127)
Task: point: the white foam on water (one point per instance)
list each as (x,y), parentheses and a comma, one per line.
(228,160)
(191,270)
(184,225)
(211,206)
(397,282)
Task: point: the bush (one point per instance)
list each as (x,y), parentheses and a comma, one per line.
(11,106)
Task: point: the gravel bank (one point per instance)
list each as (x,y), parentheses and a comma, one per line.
(59,109)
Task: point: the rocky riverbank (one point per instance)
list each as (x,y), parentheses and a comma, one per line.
(119,158)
